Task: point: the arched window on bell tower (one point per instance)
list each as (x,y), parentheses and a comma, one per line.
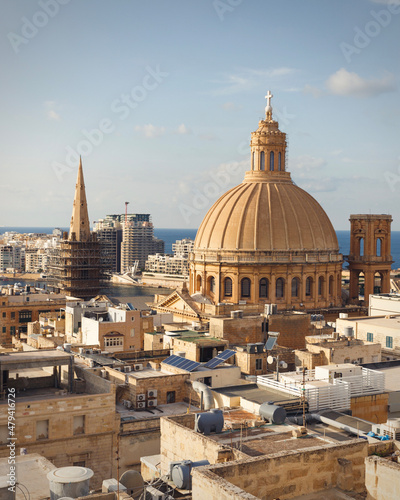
(262,160)
(271,161)
(279,161)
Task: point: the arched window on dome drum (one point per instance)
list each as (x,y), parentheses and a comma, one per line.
(227,287)
(252,160)
(198,283)
(280,161)
(295,287)
(321,284)
(212,284)
(263,291)
(280,288)
(309,287)
(245,286)
(262,161)
(271,161)
(330,285)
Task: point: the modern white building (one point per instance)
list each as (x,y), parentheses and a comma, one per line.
(384,303)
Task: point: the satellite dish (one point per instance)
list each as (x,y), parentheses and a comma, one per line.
(270,360)
(133,482)
(282,364)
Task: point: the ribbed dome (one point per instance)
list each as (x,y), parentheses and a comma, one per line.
(267,213)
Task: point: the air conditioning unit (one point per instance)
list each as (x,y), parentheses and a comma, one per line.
(138,367)
(152,393)
(141,397)
(152,402)
(141,404)
(154,494)
(128,403)
(127,369)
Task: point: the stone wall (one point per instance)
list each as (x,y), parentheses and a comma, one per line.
(293,329)
(238,330)
(137,439)
(373,408)
(285,475)
(47,426)
(382,478)
(180,442)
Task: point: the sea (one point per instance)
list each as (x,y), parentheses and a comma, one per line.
(170,236)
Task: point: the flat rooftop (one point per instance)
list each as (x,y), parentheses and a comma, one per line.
(256,394)
(34,358)
(167,410)
(379,321)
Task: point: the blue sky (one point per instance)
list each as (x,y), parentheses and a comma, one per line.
(160,99)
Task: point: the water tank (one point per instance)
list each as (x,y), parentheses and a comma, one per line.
(180,472)
(211,421)
(348,331)
(272,413)
(69,481)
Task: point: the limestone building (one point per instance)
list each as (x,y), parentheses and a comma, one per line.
(267,240)
(76,266)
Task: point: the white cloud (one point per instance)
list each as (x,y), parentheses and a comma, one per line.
(51,113)
(345,83)
(314,91)
(247,78)
(183,130)
(150,130)
(306,163)
(230,106)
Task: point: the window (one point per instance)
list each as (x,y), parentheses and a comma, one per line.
(280,162)
(132,332)
(271,161)
(78,425)
(379,247)
(42,429)
(212,284)
(389,342)
(280,288)
(79,464)
(13,315)
(361,243)
(370,337)
(4,434)
(113,341)
(321,286)
(171,397)
(132,318)
(4,315)
(295,287)
(4,329)
(309,284)
(262,161)
(263,292)
(25,316)
(228,287)
(12,330)
(259,364)
(198,283)
(245,287)
(330,285)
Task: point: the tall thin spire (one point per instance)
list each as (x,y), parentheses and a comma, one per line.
(80,226)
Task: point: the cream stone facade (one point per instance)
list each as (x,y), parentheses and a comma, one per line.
(267,240)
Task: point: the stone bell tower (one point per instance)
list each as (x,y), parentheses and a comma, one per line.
(369,259)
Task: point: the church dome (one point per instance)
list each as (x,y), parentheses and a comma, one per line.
(266,213)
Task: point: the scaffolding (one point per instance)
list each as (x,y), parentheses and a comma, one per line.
(76,268)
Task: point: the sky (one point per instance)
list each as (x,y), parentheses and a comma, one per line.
(160,98)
